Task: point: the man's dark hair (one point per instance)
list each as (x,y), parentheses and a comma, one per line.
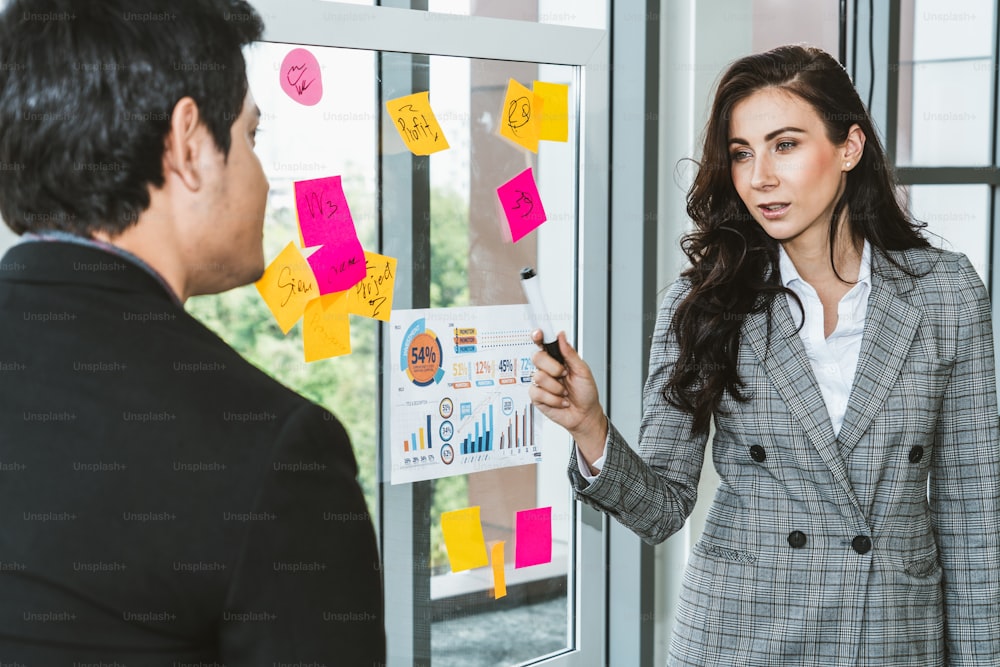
(86,94)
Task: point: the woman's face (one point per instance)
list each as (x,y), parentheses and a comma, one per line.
(785,169)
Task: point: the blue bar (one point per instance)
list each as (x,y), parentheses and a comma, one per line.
(489,436)
(478,441)
(430,443)
(486,437)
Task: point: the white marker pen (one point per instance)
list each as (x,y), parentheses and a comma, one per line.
(532,290)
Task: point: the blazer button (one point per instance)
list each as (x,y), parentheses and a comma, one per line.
(758,454)
(862,544)
(796,539)
(916,454)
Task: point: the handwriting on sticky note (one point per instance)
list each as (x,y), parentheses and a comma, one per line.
(554,118)
(301,77)
(325,220)
(499,576)
(337,267)
(286,286)
(533,537)
(326,327)
(372,296)
(521,204)
(415,121)
(520,118)
(463,538)
(324,216)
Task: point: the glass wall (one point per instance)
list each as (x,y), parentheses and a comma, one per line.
(440,217)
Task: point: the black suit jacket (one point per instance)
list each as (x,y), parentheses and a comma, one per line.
(162,501)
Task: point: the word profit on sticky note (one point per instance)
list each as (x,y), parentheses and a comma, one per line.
(415,121)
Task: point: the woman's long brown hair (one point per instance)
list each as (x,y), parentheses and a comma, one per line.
(733,268)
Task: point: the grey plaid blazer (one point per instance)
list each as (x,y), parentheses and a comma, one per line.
(877,547)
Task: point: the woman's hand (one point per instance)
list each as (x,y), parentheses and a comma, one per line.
(568,396)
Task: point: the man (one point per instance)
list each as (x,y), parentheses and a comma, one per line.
(152,515)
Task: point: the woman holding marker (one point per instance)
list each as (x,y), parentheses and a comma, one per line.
(848,369)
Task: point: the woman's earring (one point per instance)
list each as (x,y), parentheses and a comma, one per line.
(848,165)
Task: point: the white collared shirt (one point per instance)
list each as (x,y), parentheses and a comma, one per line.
(834,359)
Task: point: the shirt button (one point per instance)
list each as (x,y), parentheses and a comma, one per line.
(862,544)
(796,539)
(757,453)
(916,454)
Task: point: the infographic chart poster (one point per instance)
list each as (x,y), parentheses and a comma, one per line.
(460,379)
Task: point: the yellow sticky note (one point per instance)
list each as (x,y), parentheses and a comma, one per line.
(372,297)
(287,286)
(499,576)
(463,538)
(416,124)
(520,118)
(554,118)
(326,328)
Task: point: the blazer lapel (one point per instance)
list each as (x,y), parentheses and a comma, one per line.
(890,325)
(786,363)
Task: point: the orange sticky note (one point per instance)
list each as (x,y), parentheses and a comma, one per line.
(463,538)
(372,296)
(520,118)
(326,328)
(416,124)
(287,286)
(554,118)
(499,576)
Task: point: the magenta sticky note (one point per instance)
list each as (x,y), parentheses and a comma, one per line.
(521,204)
(324,216)
(533,537)
(301,78)
(338,267)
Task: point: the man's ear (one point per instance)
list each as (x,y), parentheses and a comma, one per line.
(184,143)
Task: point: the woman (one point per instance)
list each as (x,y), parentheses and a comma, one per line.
(845,363)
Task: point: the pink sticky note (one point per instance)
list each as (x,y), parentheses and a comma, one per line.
(301,78)
(338,267)
(324,216)
(533,537)
(521,204)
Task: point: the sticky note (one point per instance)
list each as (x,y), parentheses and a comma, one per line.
(324,216)
(337,268)
(301,77)
(326,329)
(520,119)
(533,537)
(521,204)
(499,576)
(554,118)
(325,219)
(463,538)
(416,123)
(287,285)
(372,296)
